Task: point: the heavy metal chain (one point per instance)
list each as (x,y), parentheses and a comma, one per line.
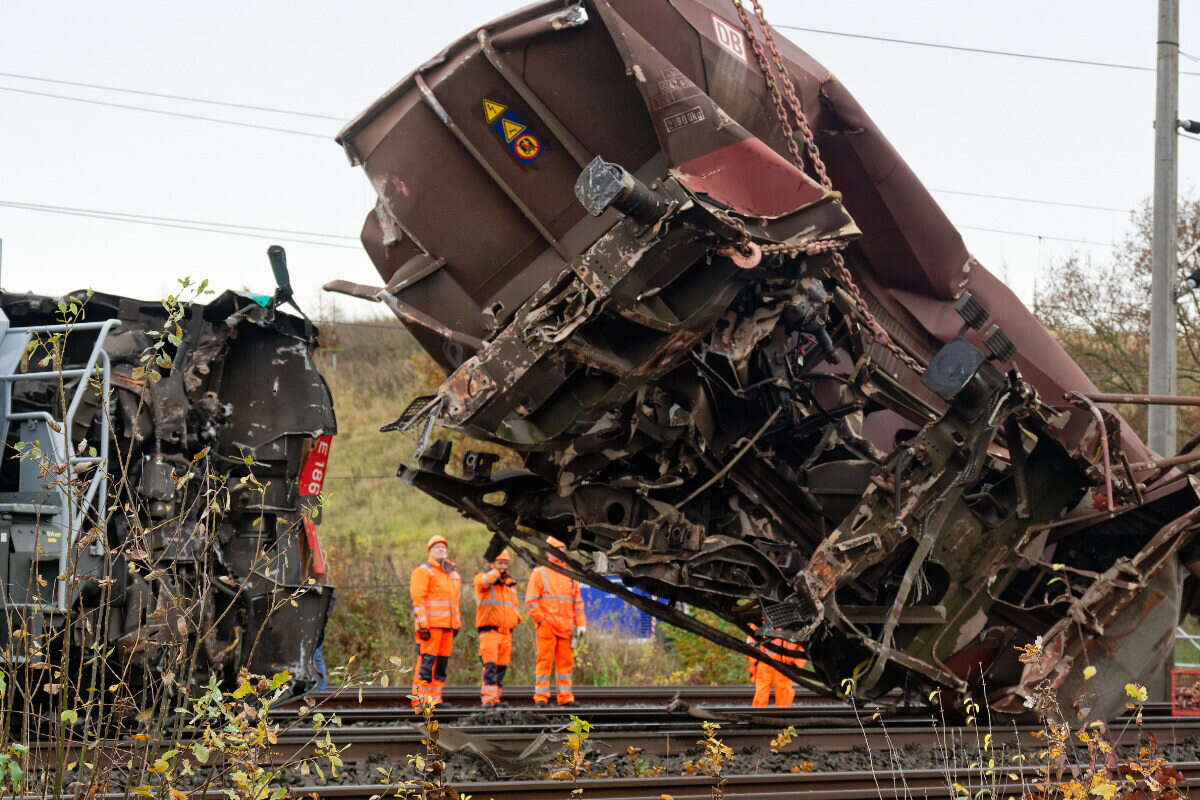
(779,83)
(810,248)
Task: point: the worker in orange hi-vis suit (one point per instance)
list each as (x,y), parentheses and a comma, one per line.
(497,612)
(434,587)
(765,677)
(556,608)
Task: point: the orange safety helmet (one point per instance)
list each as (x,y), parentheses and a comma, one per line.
(437,538)
(503,555)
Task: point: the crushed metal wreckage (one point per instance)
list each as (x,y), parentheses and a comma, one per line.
(161,545)
(738,389)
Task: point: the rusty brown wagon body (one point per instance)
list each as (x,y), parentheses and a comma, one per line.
(587,214)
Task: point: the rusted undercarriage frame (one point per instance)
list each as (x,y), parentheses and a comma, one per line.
(928,494)
(1107,597)
(958,492)
(1110,594)
(469,500)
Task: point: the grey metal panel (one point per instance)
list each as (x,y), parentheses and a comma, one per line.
(12,345)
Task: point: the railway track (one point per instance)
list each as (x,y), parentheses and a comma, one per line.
(382,732)
(509,747)
(522,696)
(612,704)
(848,785)
(396,743)
(885,784)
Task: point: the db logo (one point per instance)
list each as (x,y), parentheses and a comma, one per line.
(729,37)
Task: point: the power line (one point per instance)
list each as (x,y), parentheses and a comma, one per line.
(1034,200)
(325,116)
(398,326)
(158,218)
(164,113)
(1023,234)
(982,50)
(199,229)
(166,96)
(202,226)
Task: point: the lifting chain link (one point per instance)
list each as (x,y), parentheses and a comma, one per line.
(779,77)
(744,242)
(810,249)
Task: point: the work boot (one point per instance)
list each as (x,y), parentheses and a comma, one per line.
(539,703)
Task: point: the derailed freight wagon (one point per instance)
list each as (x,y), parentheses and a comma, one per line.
(750,364)
(159,495)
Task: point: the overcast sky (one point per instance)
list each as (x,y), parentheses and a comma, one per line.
(966,122)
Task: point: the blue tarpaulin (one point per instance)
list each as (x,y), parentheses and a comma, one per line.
(607,612)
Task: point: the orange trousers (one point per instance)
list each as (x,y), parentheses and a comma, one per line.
(495,651)
(553,653)
(433,656)
(766,677)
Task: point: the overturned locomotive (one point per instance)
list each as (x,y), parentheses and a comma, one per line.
(750,365)
(159,491)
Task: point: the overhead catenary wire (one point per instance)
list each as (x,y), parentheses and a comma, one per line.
(158,224)
(159,218)
(248,230)
(396,326)
(1034,200)
(169,96)
(1027,235)
(210,227)
(164,112)
(1011,198)
(980,50)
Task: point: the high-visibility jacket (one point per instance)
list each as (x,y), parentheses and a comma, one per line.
(554,598)
(434,588)
(799,659)
(496,602)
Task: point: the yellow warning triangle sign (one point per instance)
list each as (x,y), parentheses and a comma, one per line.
(492,109)
(511,129)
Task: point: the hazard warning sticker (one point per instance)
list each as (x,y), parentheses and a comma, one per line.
(512,130)
(492,109)
(527,147)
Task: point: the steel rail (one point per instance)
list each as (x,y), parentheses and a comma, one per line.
(639,714)
(396,743)
(599,713)
(887,784)
(462,701)
(523,695)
